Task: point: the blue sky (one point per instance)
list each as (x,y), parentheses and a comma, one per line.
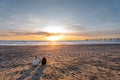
(86,17)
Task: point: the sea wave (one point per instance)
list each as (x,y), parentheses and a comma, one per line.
(16,42)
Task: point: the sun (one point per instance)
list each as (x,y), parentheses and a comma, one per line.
(55,32)
(53,38)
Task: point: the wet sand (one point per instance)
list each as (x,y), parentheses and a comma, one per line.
(64,62)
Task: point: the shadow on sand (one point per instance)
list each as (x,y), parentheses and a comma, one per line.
(35,76)
(38,73)
(27,73)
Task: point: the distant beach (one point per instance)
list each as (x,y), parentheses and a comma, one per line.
(64,62)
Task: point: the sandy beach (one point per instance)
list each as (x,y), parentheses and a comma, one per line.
(64,62)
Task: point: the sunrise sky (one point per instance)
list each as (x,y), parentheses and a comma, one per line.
(59,19)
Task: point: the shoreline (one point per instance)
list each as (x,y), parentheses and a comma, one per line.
(61,45)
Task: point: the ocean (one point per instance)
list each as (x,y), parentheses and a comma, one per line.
(77,42)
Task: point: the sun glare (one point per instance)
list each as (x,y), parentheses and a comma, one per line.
(55,29)
(54,38)
(56,32)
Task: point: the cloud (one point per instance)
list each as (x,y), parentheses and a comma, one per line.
(27,25)
(19,25)
(96,34)
(100,34)
(25,22)
(75,28)
(90,34)
(31,22)
(11,32)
